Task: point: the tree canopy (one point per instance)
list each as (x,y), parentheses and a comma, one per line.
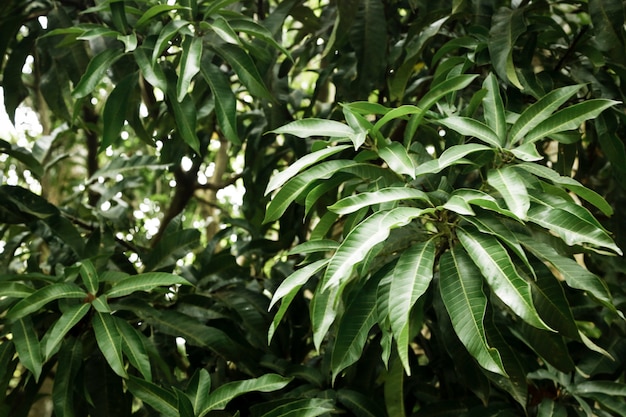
(308,208)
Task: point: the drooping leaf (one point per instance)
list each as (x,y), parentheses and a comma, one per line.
(394,389)
(27,345)
(359,404)
(151,71)
(43,296)
(162,400)
(512,188)
(134,348)
(245,69)
(189,64)
(255,29)
(354,203)
(549,346)
(145,282)
(225,101)
(15,289)
(507,26)
(494,108)
(601,387)
(607,17)
(368,37)
(461,290)
(471,127)
(90,276)
(114,113)
(70,362)
(95,71)
(186,119)
(323,313)
(168,32)
(109,341)
(224,30)
(55,335)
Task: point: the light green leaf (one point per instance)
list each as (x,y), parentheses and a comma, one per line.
(494,108)
(155,11)
(162,400)
(225,100)
(27,345)
(109,341)
(219,398)
(129,41)
(410,280)
(451,156)
(101,305)
(134,347)
(69,364)
(288,290)
(568,119)
(54,336)
(189,64)
(361,240)
(473,128)
(397,158)
(512,188)
(95,71)
(484,200)
(506,27)
(222,28)
(499,271)
(311,407)
(527,152)
(354,327)
(386,195)
(90,276)
(397,113)
(306,161)
(43,296)
(460,284)
(306,128)
(114,113)
(167,33)
(540,110)
(145,282)
(245,69)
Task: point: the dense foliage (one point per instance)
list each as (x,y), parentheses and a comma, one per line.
(307,208)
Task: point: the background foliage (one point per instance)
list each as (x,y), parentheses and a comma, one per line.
(306,208)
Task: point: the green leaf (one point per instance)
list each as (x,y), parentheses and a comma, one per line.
(171,248)
(288,290)
(540,110)
(245,69)
(397,158)
(470,127)
(162,400)
(506,27)
(198,389)
(569,118)
(225,101)
(359,404)
(70,363)
(527,152)
(154,11)
(494,108)
(27,345)
(165,36)
(550,408)
(54,336)
(15,290)
(134,348)
(306,161)
(222,28)
(323,312)
(151,71)
(461,289)
(484,200)
(183,404)
(368,37)
(145,282)
(354,327)
(451,156)
(311,407)
(114,113)
(90,276)
(500,273)
(109,341)
(186,118)
(410,280)
(189,64)
(397,113)
(95,71)
(394,390)
(253,28)
(512,188)
(313,246)
(219,398)
(43,296)
(600,387)
(549,346)
(607,17)
(361,240)
(386,195)
(306,128)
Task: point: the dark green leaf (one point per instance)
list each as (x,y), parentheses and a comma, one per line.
(145,282)
(70,362)
(494,108)
(90,276)
(225,101)
(162,400)
(245,69)
(95,71)
(189,64)
(114,113)
(154,11)
(506,27)
(53,338)
(185,116)
(109,341)
(134,348)
(27,345)
(512,188)
(43,296)
(312,407)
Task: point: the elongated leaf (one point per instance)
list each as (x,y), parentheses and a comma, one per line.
(494,108)
(354,327)
(398,159)
(145,282)
(484,200)
(134,348)
(171,248)
(323,312)
(162,400)
(356,202)
(225,100)
(90,276)
(359,404)
(410,280)
(568,119)
(499,271)
(361,240)
(70,362)
(506,27)
(466,303)
(219,398)
(549,346)
(186,119)
(189,64)
(222,28)
(306,161)
(550,408)
(109,341)
(114,113)
(15,290)
(607,17)
(601,387)
(312,246)
(154,11)
(397,113)
(167,33)
(288,290)
(540,110)
(53,338)
(527,152)
(470,127)
(183,404)
(315,127)
(95,72)
(253,28)
(512,188)
(27,345)
(198,389)
(151,71)
(312,407)
(43,296)
(394,390)
(245,69)
(368,37)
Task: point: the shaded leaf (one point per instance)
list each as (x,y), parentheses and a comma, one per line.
(109,341)
(114,113)
(27,345)
(225,101)
(144,282)
(311,407)
(473,128)
(189,64)
(168,32)
(55,335)
(245,69)
(134,348)
(198,389)
(43,296)
(162,400)
(506,27)
(70,363)
(90,276)
(154,11)
(95,71)
(171,248)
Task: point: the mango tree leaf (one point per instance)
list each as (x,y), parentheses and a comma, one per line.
(473,128)
(600,387)
(361,240)
(95,72)
(151,71)
(90,276)
(323,312)
(494,108)
(569,118)
(109,341)
(162,400)
(253,28)
(354,328)
(222,28)
(134,348)
(183,404)
(356,202)
(451,156)
(219,398)
(527,152)
(506,27)
(165,36)
(186,118)
(54,336)
(460,284)
(15,290)
(225,100)
(359,404)
(313,246)
(198,389)
(43,296)
(500,273)
(23,155)
(394,390)
(114,113)
(540,110)
(189,64)
(144,282)
(410,280)
(70,362)
(27,345)
(550,408)
(306,128)
(607,17)
(153,12)
(396,113)
(549,346)
(512,188)
(168,250)
(311,407)
(397,158)
(368,37)
(484,200)
(245,69)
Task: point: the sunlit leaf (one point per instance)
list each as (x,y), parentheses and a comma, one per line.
(354,203)
(473,128)
(397,158)
(306,128)
(512,188)
(145,282)
(451,156)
